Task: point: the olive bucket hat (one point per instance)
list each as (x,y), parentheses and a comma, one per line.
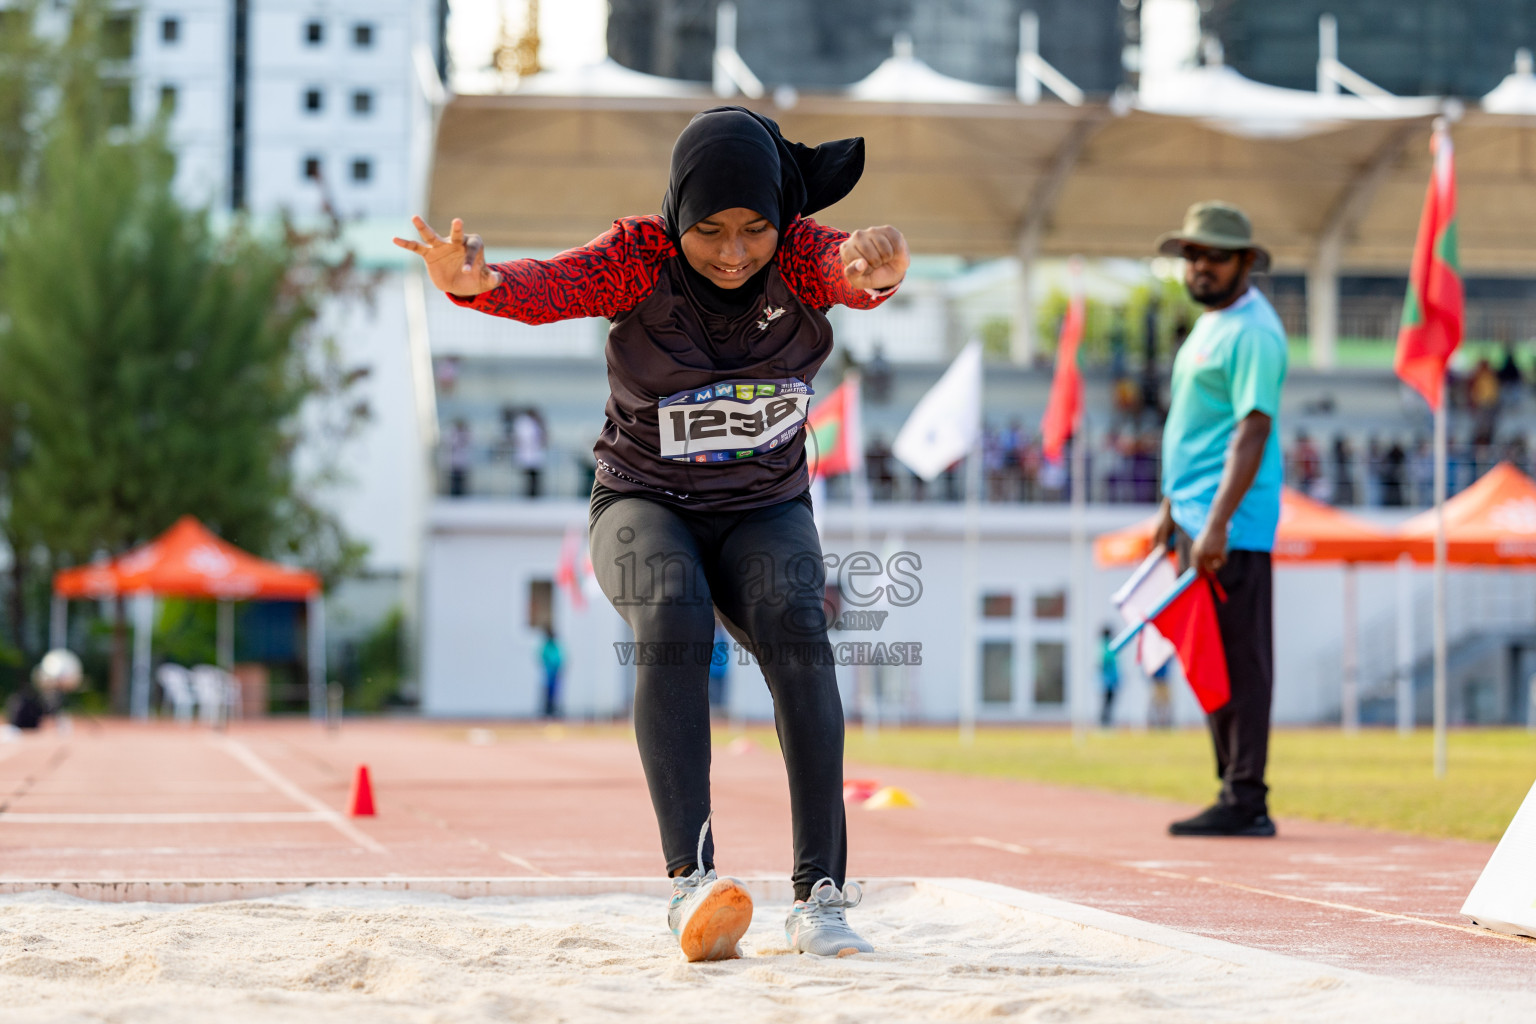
(1215,225)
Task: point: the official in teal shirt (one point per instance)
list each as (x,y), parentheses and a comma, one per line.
(1232,364)
(1221,492)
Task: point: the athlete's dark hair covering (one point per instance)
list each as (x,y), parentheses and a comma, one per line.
(729,157)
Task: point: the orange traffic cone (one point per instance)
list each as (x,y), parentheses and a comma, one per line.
(361,803)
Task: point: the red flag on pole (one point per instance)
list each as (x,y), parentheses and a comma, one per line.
(1432,310)
(834,425)
(1066,402)
(567,573)
(1189,623)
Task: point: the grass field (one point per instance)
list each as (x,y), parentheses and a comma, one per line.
(1375,779)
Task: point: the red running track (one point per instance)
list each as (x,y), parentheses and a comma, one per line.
(124,801)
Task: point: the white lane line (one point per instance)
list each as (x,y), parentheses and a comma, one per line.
(1332,905)
(1207,880)
(246,756)
(526,865)
(216,818)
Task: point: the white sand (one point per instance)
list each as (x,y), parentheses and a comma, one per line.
(380,958)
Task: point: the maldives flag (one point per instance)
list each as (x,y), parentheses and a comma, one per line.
(1432,311)
(1066,402)
(1189,623)
(836,443)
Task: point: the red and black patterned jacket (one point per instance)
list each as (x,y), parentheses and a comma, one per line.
(704,411)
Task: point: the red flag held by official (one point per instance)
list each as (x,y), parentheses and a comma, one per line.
(1189,623)
(567,574)
(1433,309)
(1066,402)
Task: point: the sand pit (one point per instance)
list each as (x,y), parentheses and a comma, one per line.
(945,953)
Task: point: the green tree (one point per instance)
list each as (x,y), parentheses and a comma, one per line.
(153,364)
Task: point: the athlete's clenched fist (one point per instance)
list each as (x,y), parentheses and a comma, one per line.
(875,257)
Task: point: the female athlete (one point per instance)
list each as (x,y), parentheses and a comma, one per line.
(700,507)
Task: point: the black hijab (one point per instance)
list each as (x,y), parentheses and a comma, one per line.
(730,157)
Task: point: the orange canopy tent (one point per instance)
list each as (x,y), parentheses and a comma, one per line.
(1309,531)
(1493,522)
(189,560)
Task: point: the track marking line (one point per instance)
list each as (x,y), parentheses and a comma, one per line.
(246,756)
(171,818)
(996,844)
(1331,904)
(526,865)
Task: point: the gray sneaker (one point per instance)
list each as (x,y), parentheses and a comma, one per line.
(709,915)
(819,925)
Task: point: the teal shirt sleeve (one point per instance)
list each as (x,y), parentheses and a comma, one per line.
(1256,370)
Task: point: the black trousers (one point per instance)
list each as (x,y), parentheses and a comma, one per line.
(1240,729)
(668,571)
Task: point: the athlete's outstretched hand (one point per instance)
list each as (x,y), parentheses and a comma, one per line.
(456,264)
(875,258)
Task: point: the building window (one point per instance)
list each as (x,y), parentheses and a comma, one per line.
(117,37)
(362,35)
(997,605)
(997,672)
(362,170)
(1050,672)
(314,100)
(314,33)
(170,30)
(541,604)
(362,102)
(118,100)
(167,100)
(1051,604)
(312,168)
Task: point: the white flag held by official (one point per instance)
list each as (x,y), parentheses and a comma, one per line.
(944,427)
(1138,598)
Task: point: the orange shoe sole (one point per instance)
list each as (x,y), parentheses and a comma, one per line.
(717,924)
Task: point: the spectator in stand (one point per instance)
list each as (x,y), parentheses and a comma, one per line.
(460,455)
(1421,473)
(1516,453)
(1511,380)
(1146,475)
(1029,467)
(445,370)
(529,449)
(1392,476)
(1483,395)
(877,464)
(1013,445)
(1306,463)
(1373,459)
(992,463)
(878,377)
(1343,471)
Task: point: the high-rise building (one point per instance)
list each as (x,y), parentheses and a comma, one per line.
(293,104)
(811,44)
(1409,47)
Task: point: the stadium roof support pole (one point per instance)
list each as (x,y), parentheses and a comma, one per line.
(1042,202)
(143,631)
(731,73)
(1349,703)
(1339,225)
(1034,71)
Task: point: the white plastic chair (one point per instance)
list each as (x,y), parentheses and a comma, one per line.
(176,684)
(212,685)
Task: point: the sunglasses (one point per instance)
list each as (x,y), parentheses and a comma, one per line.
(1218,257)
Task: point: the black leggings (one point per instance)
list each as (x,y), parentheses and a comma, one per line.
(668,572)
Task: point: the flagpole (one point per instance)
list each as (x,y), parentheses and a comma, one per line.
(858,485)
(1440,668)
(1080,679)
(968,598)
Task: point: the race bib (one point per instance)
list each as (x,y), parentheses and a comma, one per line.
(734,419)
